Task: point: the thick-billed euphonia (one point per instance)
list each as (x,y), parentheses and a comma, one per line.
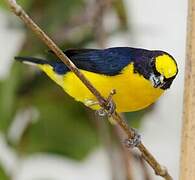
(139,76)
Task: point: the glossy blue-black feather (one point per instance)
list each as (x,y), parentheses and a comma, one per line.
(109,61)
(103,61)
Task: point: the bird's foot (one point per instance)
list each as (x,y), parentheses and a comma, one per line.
(110,105)
(134,141)
(101,112)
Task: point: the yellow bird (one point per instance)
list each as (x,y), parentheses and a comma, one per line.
(139,76)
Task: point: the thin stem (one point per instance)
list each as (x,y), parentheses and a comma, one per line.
(102,101)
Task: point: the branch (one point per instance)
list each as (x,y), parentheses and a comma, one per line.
(187,166)
(102,101)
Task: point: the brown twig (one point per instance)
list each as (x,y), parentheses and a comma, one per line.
(187,166)
(102,101)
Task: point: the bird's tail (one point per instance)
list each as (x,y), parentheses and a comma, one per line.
(45,65)
(32,60)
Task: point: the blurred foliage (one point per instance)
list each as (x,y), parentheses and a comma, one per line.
(24,4)
(122,13)
(62,125)
(8,89)
(3,175)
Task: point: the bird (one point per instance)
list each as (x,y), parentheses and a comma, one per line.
(139,76)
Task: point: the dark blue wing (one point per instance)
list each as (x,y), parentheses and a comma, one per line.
(103,61)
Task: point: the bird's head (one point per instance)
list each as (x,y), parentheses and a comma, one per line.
(164,70)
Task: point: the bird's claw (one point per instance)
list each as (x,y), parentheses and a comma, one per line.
(134,141)
(101,112)
(110,105)
(110,108)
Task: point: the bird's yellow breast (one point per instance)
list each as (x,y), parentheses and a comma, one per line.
(133,91)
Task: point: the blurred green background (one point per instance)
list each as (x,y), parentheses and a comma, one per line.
(53,122)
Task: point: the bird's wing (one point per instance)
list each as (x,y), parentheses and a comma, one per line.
(102,61)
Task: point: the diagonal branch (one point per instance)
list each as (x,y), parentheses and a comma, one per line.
(148,157)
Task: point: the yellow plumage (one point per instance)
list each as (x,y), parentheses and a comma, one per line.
(133,91)
(139,76)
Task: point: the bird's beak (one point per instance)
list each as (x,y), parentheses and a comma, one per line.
(160,82)
(157,81)
(166,84)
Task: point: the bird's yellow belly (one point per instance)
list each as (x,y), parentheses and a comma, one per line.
(133,91)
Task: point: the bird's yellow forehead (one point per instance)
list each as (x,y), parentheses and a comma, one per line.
(166,66)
